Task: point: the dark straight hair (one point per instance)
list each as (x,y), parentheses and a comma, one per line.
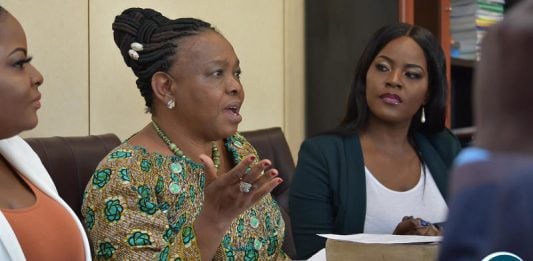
(357,111)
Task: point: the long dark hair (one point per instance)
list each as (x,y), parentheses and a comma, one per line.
(357,111)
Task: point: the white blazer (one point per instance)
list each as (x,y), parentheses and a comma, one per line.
(21,156)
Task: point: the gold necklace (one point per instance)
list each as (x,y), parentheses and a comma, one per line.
(178,152)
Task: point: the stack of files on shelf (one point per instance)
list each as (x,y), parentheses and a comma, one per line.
(488,13)
(469,21)
(463,29)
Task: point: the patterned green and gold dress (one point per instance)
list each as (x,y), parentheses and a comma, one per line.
(141,206)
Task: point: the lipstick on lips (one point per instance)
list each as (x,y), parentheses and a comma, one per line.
(390,98)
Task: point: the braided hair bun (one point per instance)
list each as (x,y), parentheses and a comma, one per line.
(159,38)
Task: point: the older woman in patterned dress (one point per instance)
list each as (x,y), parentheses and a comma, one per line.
(187,186)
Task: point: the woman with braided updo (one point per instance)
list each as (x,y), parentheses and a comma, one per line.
(187,186)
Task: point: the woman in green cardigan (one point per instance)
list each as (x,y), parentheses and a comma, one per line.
(390,155)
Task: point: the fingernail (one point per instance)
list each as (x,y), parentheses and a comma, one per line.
(252,158)
(266,164)
(273,173)
(280,180)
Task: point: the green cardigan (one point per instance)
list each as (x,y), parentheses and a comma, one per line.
(328,190)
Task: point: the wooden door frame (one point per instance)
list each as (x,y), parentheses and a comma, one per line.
(406,12)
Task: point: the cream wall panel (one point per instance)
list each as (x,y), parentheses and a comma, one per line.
(294,87)
(255,28)
(57,33)
(268,36)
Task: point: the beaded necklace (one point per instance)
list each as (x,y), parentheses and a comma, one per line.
(178,152)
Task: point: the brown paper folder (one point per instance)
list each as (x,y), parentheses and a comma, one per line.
(344,250)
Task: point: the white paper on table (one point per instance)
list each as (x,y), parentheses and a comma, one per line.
(318,256)
(383,238)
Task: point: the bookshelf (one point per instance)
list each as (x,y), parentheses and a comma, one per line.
(461,70)
(435,15)
(462,73)
(463,63)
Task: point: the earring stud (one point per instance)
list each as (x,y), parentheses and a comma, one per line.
(171,104)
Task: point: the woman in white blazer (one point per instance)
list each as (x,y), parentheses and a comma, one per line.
(35,223)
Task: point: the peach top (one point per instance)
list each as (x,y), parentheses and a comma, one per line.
(45,230)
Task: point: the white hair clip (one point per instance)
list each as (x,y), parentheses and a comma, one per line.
(135,48)
(133,54)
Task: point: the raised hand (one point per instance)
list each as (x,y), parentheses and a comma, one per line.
(227,195)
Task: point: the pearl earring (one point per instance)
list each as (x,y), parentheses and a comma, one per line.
(423,117)
(170,104)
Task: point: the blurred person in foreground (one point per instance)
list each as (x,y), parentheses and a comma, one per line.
(492,207)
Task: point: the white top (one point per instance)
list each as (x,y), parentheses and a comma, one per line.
(385,208)
(21,156)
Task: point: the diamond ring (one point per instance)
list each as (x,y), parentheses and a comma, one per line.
(245,187)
